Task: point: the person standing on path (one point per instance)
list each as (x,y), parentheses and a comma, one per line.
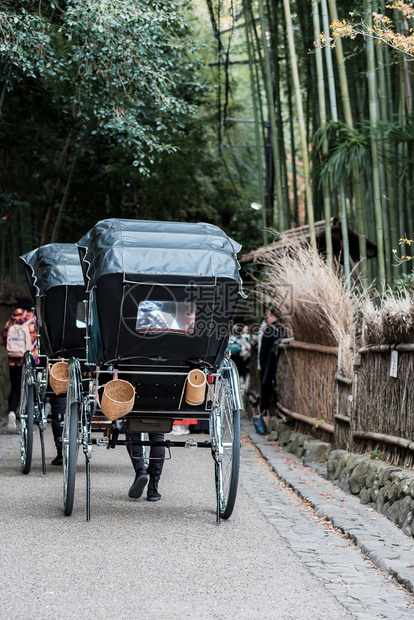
(23,316)
(268,356)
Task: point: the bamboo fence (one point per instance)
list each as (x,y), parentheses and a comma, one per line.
(383,420)
(370,413)
(305,385)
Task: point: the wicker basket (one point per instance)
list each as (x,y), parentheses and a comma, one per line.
(58,378)
(117,399)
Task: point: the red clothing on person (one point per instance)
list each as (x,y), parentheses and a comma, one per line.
(19,317)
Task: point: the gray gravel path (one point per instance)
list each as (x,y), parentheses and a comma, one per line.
(330,555)
(137,559)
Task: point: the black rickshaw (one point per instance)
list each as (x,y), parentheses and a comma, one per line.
(161,301)
(55,280)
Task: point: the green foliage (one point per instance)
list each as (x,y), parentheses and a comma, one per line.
(376,454)
(112,66)
(347,151)
(403,283)
(106,111)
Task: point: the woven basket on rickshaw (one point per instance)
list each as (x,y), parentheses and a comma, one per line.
(58,378)
(118,399)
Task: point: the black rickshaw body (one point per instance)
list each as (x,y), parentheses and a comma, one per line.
(55,281)
(162,297)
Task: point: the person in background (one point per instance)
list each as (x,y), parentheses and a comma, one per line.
(23,315)
(272,333)
(239,343)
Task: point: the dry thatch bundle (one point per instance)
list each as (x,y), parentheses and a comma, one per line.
(392,322)
(398,319)
(371,316)
(311,299)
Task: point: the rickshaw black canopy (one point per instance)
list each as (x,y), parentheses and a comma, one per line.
(158,248)
(159,291)
(55,279)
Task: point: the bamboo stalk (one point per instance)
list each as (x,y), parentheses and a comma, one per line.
(373,116)
(274,22)
(256,120)
(272,120)
(291,129)
(322,112)
(268,172)
(401,196)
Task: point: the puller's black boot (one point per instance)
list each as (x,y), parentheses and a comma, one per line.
(57,428)
(58,460)
(154,470)
(138,485)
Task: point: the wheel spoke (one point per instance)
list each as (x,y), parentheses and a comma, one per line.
(227,439)
(26,422)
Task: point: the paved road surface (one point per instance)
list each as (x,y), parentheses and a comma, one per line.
(141,560)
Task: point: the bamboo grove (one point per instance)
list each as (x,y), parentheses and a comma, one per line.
(332,117)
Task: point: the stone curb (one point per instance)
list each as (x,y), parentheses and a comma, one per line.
(377,537)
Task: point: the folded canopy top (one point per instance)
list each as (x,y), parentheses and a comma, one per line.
(52,265)
(157,248)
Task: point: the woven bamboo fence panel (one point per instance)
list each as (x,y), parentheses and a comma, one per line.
(305,385)
(285,384)
(385,406)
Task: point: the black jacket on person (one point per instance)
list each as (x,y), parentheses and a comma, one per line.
(268,358)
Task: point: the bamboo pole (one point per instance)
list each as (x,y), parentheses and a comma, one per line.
(291,130)
(394,441)
(325,426)
(301,122)
(373,117)
(401,197)
(386,348)
(309,346)
(274,22)
(268,173)
(389,185)
(322,112)
(256,121)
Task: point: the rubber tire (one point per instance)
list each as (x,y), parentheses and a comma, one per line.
(26,442)
(69,473)
(232,417)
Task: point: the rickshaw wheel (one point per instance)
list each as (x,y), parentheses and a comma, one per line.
(69,454)
(26,427)
(227,472)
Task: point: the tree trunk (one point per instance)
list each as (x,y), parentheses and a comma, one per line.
(256,118)
(301,122)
